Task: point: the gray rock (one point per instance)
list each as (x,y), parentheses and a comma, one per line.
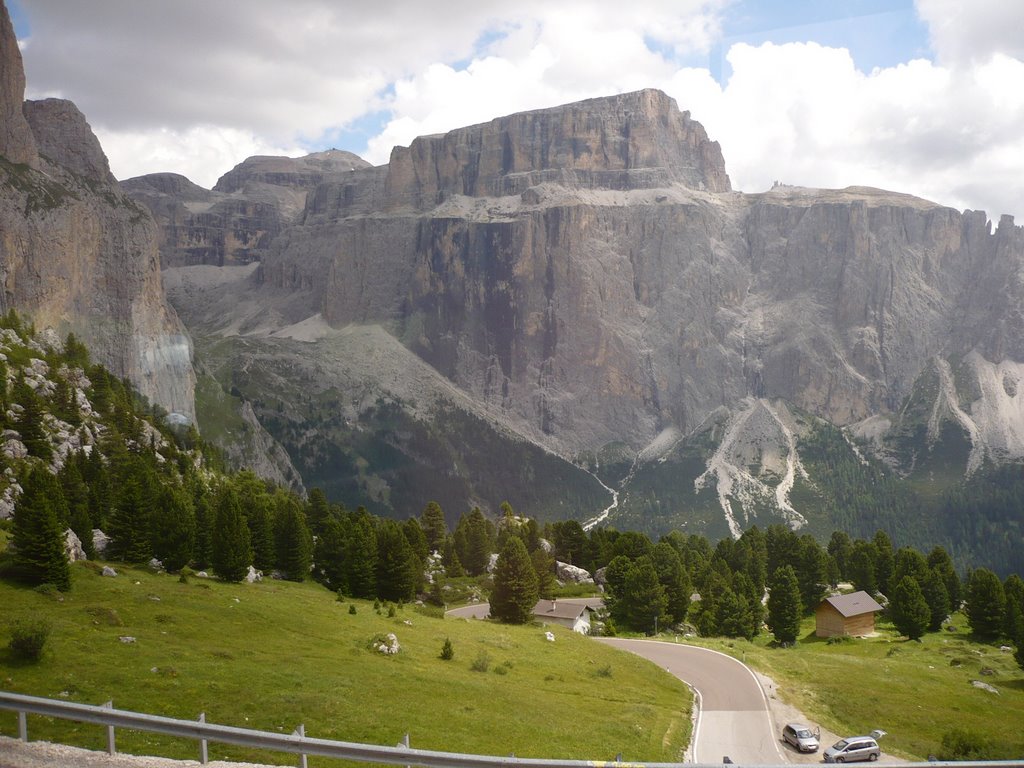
(127,639)
(565,572)
(100,541)
(156,565)
(63,135)
(252,575)
(984,686)
(108,571)
(73,547)
(16,141)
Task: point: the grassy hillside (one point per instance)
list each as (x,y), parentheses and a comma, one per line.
(917,692)
(276,654)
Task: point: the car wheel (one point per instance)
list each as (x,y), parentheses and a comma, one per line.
(840,759)
(872,757)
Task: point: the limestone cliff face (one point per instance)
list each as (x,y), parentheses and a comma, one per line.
(586,269)
(249,206)
(78,255)
(16,141)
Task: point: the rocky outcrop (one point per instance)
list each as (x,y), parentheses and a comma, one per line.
(16,142)
(78,255)
(234,224)
(65,138)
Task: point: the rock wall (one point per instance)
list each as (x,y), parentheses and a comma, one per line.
(78,255)
(16,142)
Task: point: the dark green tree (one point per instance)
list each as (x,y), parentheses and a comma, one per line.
(515,590)
(644,599)
(674,579)
(131,518)
(417,539)
(811,572)
(544,567)
(76,494)
(986,604)
(934,590)
(293,539)
(737,614)
(258,509)
(479,543)
(434,526)
(840,547)
(908,609)
(329,555)
(317,510)
(204,515)
(940,561)
(396,563)
(37,538)
(784,607)
(885,561)
(910,562)
(173,529)
(29,421)
(231,547)
(1013,616)
(450,559)
(570,542)
(361,555)
(861,567)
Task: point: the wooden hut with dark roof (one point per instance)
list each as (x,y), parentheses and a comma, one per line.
(852,614)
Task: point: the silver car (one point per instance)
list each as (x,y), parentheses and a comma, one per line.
(853,748)
(800,737)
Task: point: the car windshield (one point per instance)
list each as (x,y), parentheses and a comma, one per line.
(803,733)
(840,744)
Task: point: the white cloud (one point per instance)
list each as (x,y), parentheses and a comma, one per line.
(202,153)
(964,32)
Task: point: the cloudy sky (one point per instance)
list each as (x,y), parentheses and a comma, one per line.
(925,97)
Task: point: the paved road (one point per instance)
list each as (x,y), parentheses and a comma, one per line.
(733,719)
(481,610)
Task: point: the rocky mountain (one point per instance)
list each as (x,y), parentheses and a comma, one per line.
(234,223)
(583,281)
(76,253)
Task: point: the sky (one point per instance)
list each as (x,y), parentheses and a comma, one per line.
(918,96)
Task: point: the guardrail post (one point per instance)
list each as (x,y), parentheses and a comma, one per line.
(204,755)
(110,730)
(301,731)
(23,725)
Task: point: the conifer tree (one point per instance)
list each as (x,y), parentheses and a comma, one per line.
(434,527)
(173,529)
(76,494)
(294,541)
(675,580)
(910,562)
(204,516)
(317,511)
(940,561)
(908,609)
(329,555)
(811,572)
(884,561)
(38,539)
(515,584)
(450,559)
(417,539)
(644,598)
(986,604)
(840,547)
(129,522)
(784,607)
(361,555)
(231,548)
(29,422)
(396,563)
(934,590)
(861,567)
(544,567)
(478,543)
(1013,616)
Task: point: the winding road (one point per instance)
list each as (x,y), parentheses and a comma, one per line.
(733,719)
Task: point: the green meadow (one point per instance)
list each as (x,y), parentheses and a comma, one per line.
(276,654)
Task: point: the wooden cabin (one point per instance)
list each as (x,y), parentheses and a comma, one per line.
(852,614)
(572,615)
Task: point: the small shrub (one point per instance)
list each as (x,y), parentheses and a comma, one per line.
(340,597)
(447,651)
(49,590)
(605,671)
(482,662)
(391,610)
(352,609)
(839,640)
(502,670)
(960,744)
(28,639)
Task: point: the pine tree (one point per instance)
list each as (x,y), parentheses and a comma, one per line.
(317,511)
(515,584)
(840,547)
(231,549)
(986,604)
(361,555)
(861,567)
(130,519)
(811,572)
(544,567)
(884,561)
(258,509)
(173,530)
(329,555)
(204,516)
(76,494)
(941,562)
(450,559)
(434,527)
(1013,616)
(675,580)
(908,609)
(934,589)
(396,563)
(644,598)
(417,539)
(784,608)
(29,422)
(294,541)
(910,562)
(38,539)
(478,543)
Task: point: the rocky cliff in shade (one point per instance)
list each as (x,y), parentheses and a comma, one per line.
(16,142)
(77,254)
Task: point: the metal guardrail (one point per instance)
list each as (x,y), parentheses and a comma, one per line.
(298,743)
